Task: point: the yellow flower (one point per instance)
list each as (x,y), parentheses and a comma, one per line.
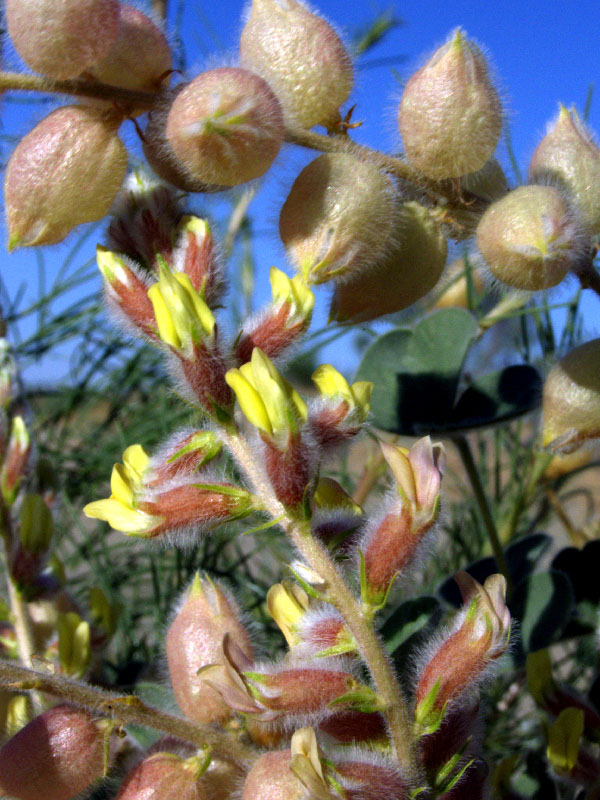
(332,384)
(182,317)
(267,400)
(293,291)
(287,603)
(120,509)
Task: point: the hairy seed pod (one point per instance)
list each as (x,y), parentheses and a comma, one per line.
(61,38)
(571,399)
(301,57)
(225,126)
(410,269)
(194,640)
(271,779)
(569,158)
(66,171)
(338,217)
(450,115)
(167,776)
(530,239)
(56,756)
(139,58)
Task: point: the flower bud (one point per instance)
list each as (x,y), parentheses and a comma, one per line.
(480,636)
(530,238)
(271,779)
(36,528)
(450,115)
(66,171)
(393,540)
(56,756)
(196,255)
(569,158)
(571,399)
(159,153)
(61,39)
(167,776)
(195,639)
(411,267)
(342,409)
(184,453)
(280,324)
(356,726)
(301,57)
(338,217)
(15,460)
(225,127)
(139,58)
(126,292)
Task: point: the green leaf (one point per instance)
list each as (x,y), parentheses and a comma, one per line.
(424,363)
(543,604)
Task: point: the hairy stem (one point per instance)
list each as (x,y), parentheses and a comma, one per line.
(466,455)
(340,595)
(126,709)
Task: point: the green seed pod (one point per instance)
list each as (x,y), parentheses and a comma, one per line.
(66,171)
(225,126)
(301,57)
(407,273)
(569,158)
(450,116)
(571,399)
(338,217)
(61,38)
(530,239)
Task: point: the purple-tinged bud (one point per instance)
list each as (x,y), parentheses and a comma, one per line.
(15,459)
(335,515)
(225,126)
(271,779)
(410,269)
(57,755)
(392,541)
(126,292)
(530,239)
(196,254)
(356,726)
(301,57)
(571,399)
(289,469)
(338,217)
(471,785)
(61,38)
(437,748)
(480,636)
(195,639)
(145,216)
(159,153)
(139,58)
(66,171)
(167,776)
(363,775)
(569,158)
(450,115)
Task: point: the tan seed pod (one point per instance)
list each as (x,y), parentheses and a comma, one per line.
(225,126)
(62,38)
(569,158)
(450,116)
(66,171)
(571,399)
(271,779)
(301,57)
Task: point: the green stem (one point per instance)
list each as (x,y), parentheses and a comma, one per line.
(468,461)
(127,709)
(339,594)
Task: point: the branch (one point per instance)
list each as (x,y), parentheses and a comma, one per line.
(22,82)
(126,709)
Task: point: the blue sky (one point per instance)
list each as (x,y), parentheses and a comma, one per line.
(541,53)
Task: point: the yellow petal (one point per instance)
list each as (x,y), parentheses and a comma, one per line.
(135,460)
(330,382)
(164,322)
(120,485)
(402,470)
(249,400)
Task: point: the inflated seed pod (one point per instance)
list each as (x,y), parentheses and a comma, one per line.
(271,779)
(66,171)
(338,217)
(409,270)
(139,57)
(569,157)
(571,399)
(300,56)
(195,639)
(225,126)
(450,116)
(54,757)
(62,38)
(531,238)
